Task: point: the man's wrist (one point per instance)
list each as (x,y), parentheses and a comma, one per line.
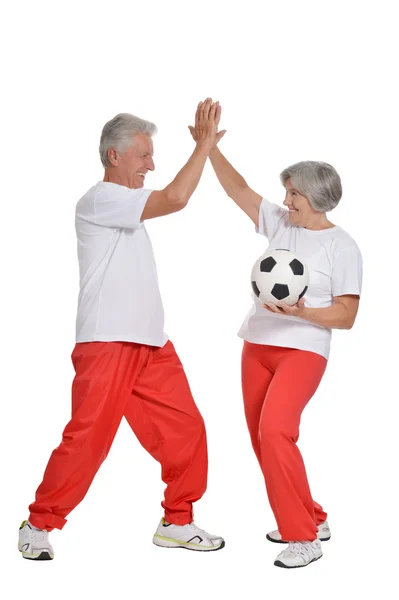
(204,147)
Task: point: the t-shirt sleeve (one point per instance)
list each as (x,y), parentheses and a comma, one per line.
(271,218)
(347,272)
(119,207)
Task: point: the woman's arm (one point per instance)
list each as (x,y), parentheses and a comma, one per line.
(341,315)
(235,185)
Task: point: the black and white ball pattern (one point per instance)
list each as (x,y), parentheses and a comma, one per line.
(279,275)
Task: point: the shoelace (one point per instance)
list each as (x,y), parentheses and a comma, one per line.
(299,548)
(41,535)
(193,527)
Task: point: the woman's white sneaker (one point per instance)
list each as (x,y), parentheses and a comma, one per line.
(323,534)
(33,543)
(299,554)
(188,536)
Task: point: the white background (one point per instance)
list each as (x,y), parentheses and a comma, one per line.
(297,80)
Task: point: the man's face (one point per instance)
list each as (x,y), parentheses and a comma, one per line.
(132,166)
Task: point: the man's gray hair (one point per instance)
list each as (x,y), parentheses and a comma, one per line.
(118,133)
(318,181)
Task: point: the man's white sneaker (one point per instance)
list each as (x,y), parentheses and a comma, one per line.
(188,536)
(33,543)
(299,554)
(323,534)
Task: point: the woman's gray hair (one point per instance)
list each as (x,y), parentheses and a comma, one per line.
(318,181)
(118,133)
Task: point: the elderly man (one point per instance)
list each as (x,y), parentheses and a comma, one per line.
(124,363)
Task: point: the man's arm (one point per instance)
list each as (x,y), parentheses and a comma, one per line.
(177,194)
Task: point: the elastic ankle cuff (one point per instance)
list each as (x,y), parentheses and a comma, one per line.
(47,521)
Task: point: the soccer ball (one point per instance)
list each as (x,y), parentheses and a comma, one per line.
(279,275)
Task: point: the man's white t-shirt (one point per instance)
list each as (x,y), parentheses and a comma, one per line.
(119,298)
(334,262)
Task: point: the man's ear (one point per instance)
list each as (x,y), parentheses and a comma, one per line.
(113,157)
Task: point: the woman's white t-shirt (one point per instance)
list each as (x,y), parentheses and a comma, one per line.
(334,262)
(119,298)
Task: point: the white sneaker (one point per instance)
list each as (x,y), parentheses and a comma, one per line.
(189,536)
(323,534)
(33,543)
(299,554)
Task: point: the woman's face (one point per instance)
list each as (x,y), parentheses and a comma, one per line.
(299,206)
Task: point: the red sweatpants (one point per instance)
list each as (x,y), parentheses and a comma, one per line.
(277,384)
(148,386)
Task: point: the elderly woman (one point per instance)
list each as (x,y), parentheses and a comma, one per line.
(286,348)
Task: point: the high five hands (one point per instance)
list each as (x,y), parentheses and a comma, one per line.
(207,118)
